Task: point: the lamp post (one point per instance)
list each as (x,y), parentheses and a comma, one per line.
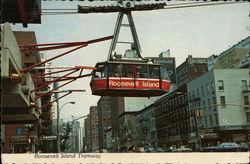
(58,117)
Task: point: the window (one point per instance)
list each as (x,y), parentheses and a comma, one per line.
(198,92)
(154,72)
(208,88)
(101,71)
(222,100)
(127,70)
(214,100)
(164,73)
(211,120)
(141,71)
(244,84)
(248,117)
(216,119)
(204,104)
(221,85)
(19,131)
(208,103)
(212,87)
(205,120)
(246,102)
(202,91)
(114,70)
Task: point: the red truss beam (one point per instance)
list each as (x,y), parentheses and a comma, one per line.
(35,65)
(54,89)
(66,78)
(48,83)
(71,90)
(50,73)
(59,45)
(49,92)
(81,45)
(63,78)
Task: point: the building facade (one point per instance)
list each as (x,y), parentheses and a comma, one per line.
(94,135)
(87,142)
(171,110)
(104,115)
(117,108)
(219,107)
(145,120)
(190,69)
(26,112)
(172,119)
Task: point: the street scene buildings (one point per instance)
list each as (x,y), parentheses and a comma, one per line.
(207,103)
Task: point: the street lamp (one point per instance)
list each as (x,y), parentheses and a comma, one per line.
(57,124)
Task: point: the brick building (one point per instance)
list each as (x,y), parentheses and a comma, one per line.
(171,110)
(104,115)
(25,115)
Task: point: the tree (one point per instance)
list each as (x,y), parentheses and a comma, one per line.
(131,136)
(126,134)
(67,127)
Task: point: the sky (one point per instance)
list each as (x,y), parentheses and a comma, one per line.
(199,31)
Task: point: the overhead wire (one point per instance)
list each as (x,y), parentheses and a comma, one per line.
(171,6)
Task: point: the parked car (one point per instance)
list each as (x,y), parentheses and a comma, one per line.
(151,150)
(182,149)
(160,150)
(226,147)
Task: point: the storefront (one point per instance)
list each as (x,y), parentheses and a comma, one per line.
(24,144)
(233,133)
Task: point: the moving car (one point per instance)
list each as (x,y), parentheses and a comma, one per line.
(226,147)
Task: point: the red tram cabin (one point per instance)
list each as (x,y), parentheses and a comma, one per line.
(112,78)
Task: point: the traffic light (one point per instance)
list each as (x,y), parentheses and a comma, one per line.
(199,113)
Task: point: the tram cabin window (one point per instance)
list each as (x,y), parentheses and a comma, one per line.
(141,71)
(114,70)
(127,70)
(154,72)
(100,71)
(164,73)
(105,72)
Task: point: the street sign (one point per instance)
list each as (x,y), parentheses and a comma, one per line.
(49,137)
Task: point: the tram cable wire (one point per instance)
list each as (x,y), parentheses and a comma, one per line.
(171,6)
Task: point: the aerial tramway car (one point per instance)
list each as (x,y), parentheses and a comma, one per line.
(114,78)
(131,75)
